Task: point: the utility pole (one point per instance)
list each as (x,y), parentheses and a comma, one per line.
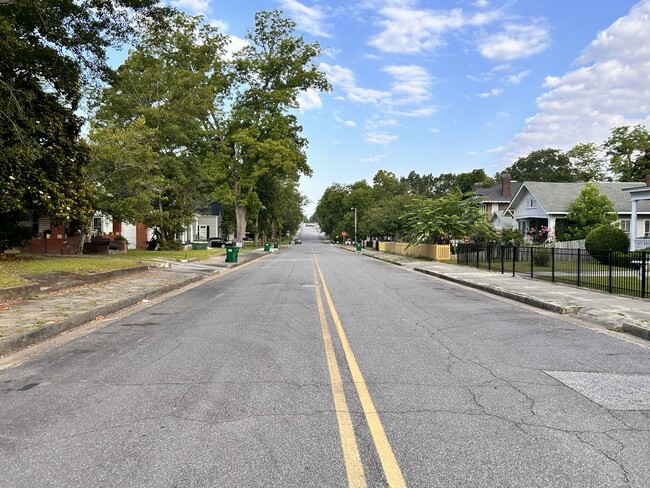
(355,224)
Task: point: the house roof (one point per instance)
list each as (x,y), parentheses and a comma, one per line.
(555,198)
(213,208)
(494,193)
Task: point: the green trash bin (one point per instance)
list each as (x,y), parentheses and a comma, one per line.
(358,247)
(267,246)
(202,246)
(276,245)
(231,254)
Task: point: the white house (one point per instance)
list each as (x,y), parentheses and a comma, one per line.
(539,203)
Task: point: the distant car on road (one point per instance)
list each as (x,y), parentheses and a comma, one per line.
(218,242)
(297,240)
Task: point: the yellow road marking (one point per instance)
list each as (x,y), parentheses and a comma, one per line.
(387,458)
(351,457)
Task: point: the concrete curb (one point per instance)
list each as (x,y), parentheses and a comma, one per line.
(534,302)
(22,291)
(15,343)
(26,291)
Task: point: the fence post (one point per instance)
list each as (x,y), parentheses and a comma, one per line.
(477,257)
(503,250)
(609,284)
(643,276)
(579,258)
(515,251)
(553,264)
(489,256)
(532,251)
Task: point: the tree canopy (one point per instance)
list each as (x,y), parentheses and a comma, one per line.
(50,50)
(154,126)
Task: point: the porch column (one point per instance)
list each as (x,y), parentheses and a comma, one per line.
(633,230)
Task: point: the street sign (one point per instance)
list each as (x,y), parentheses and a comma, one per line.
(344,233)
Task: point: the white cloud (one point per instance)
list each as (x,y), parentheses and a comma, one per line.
(586,103)
(309,19)
(373,159)
(192,6)
(411,86)
(551,81)
(515,42)
(517,78)
(309,100)
(347,123)
(411,83)
(381,138)
(410,31)
(495,92)
(417,113)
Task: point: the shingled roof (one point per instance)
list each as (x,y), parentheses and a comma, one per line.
(556,197)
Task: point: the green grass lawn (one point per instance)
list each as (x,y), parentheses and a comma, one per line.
(624,280)
(14,267)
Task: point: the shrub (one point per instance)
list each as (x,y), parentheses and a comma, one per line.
(541,256)
(605,238)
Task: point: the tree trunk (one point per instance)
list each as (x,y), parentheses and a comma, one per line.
(82,239)
(240,218)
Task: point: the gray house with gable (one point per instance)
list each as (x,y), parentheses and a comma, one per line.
(538,203)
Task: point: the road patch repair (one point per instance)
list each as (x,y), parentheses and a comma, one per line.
(609,390)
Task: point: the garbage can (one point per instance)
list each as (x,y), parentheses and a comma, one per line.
(276,245)
(358,247)
(267,246)
(231,254)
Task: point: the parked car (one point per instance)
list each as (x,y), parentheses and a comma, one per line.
(218,242)
(297,240)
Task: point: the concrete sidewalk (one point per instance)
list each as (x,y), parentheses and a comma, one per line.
(617,312)
(46,313)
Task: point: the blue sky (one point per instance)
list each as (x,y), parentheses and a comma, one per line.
(454,85)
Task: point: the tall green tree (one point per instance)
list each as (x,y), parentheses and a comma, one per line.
(332,209)
(589,210)
(50,50)
(167,96)
(627,147)
(262,134)
(586,162)
(550,165)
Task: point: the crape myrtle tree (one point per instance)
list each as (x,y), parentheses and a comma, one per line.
(50,50)
(153,129)
(450,217)
(261,135)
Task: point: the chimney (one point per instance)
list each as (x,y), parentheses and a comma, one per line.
(479,186)
(647,180)
(505,185)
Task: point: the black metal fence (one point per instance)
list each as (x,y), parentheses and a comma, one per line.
(624,273)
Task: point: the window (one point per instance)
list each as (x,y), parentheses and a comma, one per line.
(646,228)
(625,226)
(97,224)
(531,203)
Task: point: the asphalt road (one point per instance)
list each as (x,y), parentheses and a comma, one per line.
(318,367)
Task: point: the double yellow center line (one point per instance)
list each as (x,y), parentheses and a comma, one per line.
(354,467)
